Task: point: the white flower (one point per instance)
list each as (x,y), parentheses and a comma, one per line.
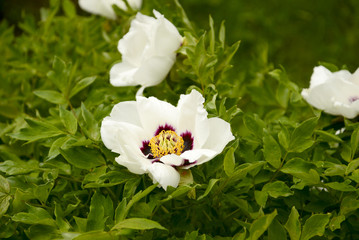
(157,138)
(148,52)
(104,7)
(335,93)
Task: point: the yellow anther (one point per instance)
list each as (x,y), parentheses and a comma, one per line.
(166,142)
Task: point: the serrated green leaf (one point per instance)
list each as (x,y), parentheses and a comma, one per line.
(293,225)
(315,226)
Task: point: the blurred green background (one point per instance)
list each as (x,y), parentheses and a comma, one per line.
(297,33)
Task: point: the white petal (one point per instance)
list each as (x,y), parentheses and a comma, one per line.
(164,175)
(121,75)
(98,7)
(115,134)
(166,36)
(320,75)
(153,70)
(126,112)
(172,160)
(219,134)
(193,117)
(154,113)
(199,156)
(136,167)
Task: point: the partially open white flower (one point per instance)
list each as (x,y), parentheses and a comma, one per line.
(148,52)
(157,138)
(335,93)
(104,7)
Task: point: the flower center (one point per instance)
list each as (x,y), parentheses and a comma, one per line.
(166,142)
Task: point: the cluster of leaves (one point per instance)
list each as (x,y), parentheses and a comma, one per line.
(292,172)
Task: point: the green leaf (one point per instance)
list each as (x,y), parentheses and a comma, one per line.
(276,231)
(277,189)
(98,235)
(352,166)
(254,124)
(272,151)
(96,218)
(51,96)
(348,205)
(229,162)
(327,137)
(335,222)
(82,157)
(89,124)
(293,225)
(136,198)
(4,195)
(178,192)
(138,224)
(37,130)
(211,183)
(301,136)
(68,119)
(260,225)
(4,185)
(261,198)
(69,8)
(341,186)
(18,167)
(80,85)
(35,215)
(354,141)
(315,226)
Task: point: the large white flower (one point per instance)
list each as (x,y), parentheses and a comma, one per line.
(335,93)
(104,7)
(157,138)
(148,52)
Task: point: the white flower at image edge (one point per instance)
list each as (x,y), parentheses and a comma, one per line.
(335,93)
(155,137)
(148,52)
(104,7)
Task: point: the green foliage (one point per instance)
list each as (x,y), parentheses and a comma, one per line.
(292,172)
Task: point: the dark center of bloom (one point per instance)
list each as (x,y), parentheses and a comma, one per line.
(166,142)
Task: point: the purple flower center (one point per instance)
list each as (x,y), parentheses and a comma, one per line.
(187,143)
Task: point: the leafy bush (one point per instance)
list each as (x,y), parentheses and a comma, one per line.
(292,172)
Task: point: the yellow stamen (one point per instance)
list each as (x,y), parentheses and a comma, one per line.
(166,142)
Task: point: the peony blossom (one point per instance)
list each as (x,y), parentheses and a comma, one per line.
(104,7)
(148,52)
(335,93)
(157,138)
